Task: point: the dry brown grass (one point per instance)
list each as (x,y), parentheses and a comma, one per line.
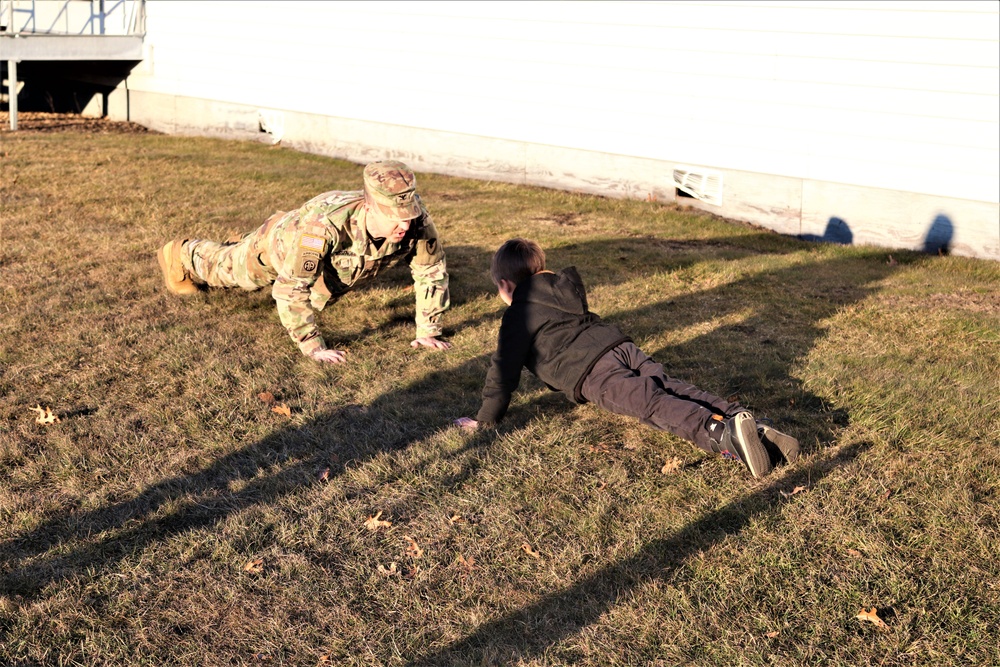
(126,527)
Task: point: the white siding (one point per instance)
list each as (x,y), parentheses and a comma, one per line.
(902,96)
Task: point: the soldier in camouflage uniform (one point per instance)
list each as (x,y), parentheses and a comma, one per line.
(314,255)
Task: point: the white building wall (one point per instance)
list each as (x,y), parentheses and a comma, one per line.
(897,96)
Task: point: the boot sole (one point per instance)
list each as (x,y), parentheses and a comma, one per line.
(183,288)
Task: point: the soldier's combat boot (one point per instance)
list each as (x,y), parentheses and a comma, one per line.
(175,276)
(779,445)
(736,438)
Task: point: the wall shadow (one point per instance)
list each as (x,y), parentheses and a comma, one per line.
(837,231)
(937,240)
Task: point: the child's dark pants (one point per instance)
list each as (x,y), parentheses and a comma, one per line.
(627,382)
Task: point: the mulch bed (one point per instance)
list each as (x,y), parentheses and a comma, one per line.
(38,121)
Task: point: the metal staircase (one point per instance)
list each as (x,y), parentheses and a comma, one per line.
(68,30)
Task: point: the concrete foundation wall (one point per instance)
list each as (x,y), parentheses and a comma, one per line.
(817,210)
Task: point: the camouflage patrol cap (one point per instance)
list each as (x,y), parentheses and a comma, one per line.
(391,190)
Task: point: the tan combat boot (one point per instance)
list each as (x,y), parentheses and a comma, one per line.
(175,276)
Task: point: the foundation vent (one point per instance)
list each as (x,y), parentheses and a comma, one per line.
(702,184)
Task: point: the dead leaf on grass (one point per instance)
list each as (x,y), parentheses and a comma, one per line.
(854,553)
(323,475)
(672,465)
(255,566)
(772,635)
(390,571)
(526,548)
(871,616)
(267,397)
(374,523)
(324,659)
(413,550)
(455,518)
(45,415)
(797,489)
(600,448)
(466,563)
(282,409)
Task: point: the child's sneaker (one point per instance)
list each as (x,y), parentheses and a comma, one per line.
(738,439)
(779,445)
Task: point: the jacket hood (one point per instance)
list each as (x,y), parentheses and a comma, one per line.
(563,291)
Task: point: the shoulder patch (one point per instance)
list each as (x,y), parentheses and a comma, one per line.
(312,242)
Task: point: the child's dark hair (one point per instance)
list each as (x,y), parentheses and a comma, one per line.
(515,260)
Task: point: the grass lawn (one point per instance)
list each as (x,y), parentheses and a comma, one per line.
(171,517)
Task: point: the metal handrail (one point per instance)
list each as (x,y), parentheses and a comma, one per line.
(67,17)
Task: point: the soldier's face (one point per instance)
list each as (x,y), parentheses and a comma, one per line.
(383,228)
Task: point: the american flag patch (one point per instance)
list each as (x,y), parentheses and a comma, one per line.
(311,242)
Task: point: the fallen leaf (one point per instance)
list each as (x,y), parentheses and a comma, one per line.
(412,572)
(772,635)
(374,523)
(323,475)
(600,448)
(255,566)
(871,615)
(267,397)
(885,496)
(390,571)
(854,553)
(673,465)
(892,262)
(531,552)
(455,518)
(797,489)
(324,659)
(603,485)
(467,563)
(282,409)
(45,415)
(413,550)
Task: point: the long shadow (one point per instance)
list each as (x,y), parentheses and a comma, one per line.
(345,434)
(528,632)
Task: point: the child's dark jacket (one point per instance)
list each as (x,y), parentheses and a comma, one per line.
(548,330)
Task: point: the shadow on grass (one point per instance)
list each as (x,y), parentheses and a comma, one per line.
(529,632)
(74,544)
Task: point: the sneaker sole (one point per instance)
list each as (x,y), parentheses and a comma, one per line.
(752,451)
(786,444)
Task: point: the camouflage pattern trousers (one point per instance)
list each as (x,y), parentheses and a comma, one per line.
(226,264)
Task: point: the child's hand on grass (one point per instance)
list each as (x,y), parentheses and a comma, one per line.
(466,423)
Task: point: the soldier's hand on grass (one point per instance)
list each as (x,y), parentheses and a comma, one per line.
(329,356)
(431,342)
(466,423)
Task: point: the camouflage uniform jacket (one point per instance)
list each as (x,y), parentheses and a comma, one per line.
(322,250)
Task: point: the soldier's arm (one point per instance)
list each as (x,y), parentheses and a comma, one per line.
(430,283)
(297,273)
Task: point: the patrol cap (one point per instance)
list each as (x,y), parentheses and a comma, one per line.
(391,190)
